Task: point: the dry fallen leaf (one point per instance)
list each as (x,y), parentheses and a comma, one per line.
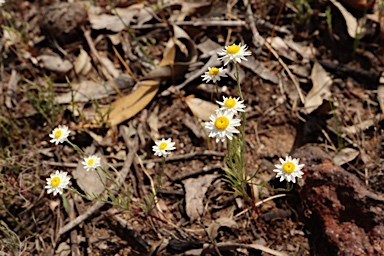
(195,189)
(321,83)
(55,63)
(129,105)
(281,47)
(353,26)
(63,249)
(213,228)
(380,97)
(87,90)
(345,156)
(82,64)
(113,22)
(259,69)
(201,108)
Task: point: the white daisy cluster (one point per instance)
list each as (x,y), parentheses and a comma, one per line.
(223,124)
(59,180)
(235,53)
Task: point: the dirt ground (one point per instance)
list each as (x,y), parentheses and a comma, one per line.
(122,74)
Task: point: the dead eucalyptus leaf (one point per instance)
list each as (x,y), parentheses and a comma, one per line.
(214,227)
(321,82)
(195,190)
(380,97)
(82,64)
(88,89)
(172,63)
(201,108)
(281,47)
(345,156)
(131,104)
(353,26)
(259,69)
(55,63)
(363,125)
(113,22)
(169,54)
(63,249)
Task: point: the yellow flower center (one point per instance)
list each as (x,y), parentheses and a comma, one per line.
(58,133)
(288,167)
(163,145)
(221,122)
(214,71)
(91,161)
(233,49)
(230,103)
(55,181)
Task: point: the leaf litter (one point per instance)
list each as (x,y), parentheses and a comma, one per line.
(141,66)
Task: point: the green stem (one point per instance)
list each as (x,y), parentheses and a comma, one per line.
(159,180)
(243,119)
(75,147)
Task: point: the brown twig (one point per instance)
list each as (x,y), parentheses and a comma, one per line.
(74,242)
(87,35)
(209,248)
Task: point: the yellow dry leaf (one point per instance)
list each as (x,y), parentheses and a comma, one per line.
(131,104)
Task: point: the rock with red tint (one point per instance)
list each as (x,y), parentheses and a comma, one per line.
(346,218)
(361,5)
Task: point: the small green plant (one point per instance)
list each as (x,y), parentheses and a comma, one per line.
(328,15)
(42,98)
(228,125)
(114,194)
(337,125)
(304,12)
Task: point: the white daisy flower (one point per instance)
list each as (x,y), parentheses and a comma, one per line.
(57,182)
(234,53)
(222,125)
(91,162)
(232,105)
(163,146)
(214,74)
(289,169)
(59,134)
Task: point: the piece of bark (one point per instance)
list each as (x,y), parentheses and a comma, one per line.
(345,217)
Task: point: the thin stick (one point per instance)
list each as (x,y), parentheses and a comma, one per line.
(87,35)
(260,203)
(124,63)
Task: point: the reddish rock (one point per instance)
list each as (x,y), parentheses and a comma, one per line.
(346,217)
